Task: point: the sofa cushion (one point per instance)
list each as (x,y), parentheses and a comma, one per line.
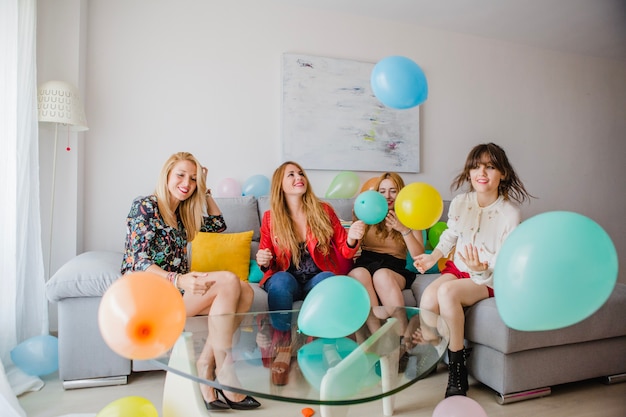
(86,275)
(605,323)
(240,214)
(222,252)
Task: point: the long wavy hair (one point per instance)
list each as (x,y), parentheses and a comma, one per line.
(190,210)
(511,187)
(282,228)
(380,228)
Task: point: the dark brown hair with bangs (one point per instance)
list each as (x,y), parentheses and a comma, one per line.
(510,186)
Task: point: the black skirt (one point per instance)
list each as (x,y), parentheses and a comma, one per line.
(373,261)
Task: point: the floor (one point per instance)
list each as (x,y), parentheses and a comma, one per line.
(582,399)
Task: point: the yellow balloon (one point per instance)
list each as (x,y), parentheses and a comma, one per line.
(132,406)
(418,206)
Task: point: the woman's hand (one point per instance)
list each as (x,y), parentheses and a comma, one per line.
(392,222)
(356,231)
(264,257)
(469,256)
(195,283)
(424,262)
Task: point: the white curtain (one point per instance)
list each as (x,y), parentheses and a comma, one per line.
(23,305)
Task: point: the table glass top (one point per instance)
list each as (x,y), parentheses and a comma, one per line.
(394,348)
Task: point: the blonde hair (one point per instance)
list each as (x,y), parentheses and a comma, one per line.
(318,222)
(380,228)
(190,210)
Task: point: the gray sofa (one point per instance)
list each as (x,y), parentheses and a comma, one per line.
(517,365)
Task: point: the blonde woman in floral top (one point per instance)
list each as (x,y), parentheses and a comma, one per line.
(158,229)
(478,223)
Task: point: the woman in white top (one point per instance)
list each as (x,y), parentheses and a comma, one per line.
(478,223)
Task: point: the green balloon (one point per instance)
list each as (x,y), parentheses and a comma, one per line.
(344,185)
(434,233)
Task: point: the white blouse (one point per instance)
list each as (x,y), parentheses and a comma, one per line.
(484,227)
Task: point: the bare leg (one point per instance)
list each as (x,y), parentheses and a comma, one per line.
(363,276)
(206,369)
(453,296)
(389,285)
(430,302)
(227,295)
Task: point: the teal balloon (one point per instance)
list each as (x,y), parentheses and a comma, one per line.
(316,357)
(344,185)
(399,83)
(371,207)
(256,185)
(548,276)
(434,233)
(37,356)
(334,308)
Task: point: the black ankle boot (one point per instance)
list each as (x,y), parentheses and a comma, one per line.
(457,373)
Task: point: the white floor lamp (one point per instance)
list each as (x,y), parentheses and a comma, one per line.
(58,102)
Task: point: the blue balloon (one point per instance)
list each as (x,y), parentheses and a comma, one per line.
(37,356)
(256,185)
(334,308)
(399,83)
(371,207)
(547,275)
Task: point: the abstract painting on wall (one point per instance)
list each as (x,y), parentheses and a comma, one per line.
(331,119)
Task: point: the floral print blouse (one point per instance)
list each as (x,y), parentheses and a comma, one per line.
(150,241)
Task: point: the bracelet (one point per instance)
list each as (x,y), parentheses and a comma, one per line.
(176,281)
(407,232)
(171,276)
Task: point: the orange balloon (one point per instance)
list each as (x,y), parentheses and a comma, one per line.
(307,412)
(441,263)
(141,315)
(369,184)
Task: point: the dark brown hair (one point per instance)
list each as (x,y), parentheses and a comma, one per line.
(511,187)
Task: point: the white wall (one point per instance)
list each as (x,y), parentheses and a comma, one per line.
(205,76)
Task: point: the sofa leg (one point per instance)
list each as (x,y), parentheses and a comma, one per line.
(523,395)
(95,382)
(614,379)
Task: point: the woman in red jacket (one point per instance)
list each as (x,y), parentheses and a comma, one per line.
(302,241)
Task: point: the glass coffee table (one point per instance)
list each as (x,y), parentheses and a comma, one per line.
(395,348)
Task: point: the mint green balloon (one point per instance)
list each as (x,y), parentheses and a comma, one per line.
(554,270)
(344,185)
(336,307)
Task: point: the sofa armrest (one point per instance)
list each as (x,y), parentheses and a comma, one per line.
(86,275)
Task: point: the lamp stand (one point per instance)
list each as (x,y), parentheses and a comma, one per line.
(54,173)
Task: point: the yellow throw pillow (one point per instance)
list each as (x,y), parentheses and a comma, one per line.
(222,252)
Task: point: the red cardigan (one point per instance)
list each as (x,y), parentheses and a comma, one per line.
(338,261)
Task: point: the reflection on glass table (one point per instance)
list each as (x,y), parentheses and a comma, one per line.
(396,348)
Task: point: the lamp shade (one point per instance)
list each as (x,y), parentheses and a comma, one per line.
(58,102)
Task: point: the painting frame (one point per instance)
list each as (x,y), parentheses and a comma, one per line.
(331,119)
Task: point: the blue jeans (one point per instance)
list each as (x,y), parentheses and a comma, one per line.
(283,289)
